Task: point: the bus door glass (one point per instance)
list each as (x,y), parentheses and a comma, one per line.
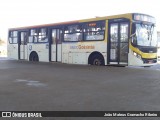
(118,43)
(23,45)
(56,46)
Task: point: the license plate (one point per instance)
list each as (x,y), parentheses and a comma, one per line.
(150,61)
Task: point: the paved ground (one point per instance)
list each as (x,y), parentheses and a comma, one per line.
(30,86)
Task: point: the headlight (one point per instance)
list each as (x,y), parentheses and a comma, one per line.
(137,55)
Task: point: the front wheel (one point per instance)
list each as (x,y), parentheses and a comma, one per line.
(97,60)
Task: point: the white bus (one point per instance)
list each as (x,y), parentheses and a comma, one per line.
(126,40)
(158,49)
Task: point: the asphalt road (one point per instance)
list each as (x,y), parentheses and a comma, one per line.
(30,86)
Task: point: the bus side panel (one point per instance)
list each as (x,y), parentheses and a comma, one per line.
(79,52)
(12,51)
(41,50)
(75,58)
(79,58)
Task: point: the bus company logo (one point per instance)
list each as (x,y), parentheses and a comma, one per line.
(21,114)
(82,47)
(6,114)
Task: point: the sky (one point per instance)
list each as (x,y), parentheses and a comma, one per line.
(18,13)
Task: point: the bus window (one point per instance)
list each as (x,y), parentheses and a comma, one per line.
(13,37)
(10,40)
(23,38)
(42,35)
(30,39)
(73,33)
(59,36)
(14,40)
(38,35)
(94,31)
(124,32)
(53,36)
(33,36)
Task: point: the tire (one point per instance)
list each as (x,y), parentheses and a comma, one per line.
(34,57)
(97,60)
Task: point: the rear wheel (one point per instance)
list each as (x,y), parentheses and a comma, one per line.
(34,57)
(97,60)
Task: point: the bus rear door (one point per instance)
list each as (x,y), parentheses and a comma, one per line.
(118,42)
(56,45)
(23,46)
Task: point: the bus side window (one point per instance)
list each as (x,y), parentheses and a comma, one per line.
(94,30)
(30,39)
(13,37)
(73,33)
(42,35)
(10,37)
(10,40)
(33,36)
(15,40)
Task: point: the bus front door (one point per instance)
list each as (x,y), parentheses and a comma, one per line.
(56,45)
(118,43)
(23,46)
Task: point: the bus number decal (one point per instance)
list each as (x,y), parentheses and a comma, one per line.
(30,47)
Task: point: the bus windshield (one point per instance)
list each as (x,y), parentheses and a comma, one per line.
(146,35)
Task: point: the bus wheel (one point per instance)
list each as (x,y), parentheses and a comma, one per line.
(34,57)
(97,60)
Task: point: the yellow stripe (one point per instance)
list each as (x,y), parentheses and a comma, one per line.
(128,15)
(144,55)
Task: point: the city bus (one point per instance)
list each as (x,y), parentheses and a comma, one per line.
(122,40)
(158,47)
